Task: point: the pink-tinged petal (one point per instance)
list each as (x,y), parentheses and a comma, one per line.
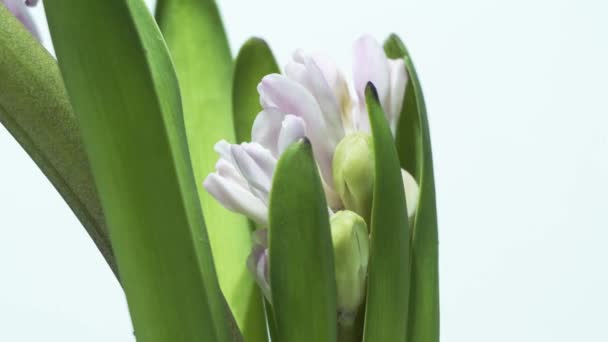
(262,156)
(258,179)
(266,128)
(337,82)
(361,118)
(293,128)
(227,170)
(222,148)
(305,71)
(258,265)
(290,97)
(236,198)
(370,65)
(398,78)
(19,9)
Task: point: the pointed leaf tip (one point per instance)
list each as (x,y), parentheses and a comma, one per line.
(370,90)
(301,256)
(386,310)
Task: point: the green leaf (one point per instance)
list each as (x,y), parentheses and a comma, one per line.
(388,284)
(35,109)
(197,42)
(302,277)
(254,61)
(122,86)
(414,145)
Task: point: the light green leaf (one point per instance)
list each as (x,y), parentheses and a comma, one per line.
(35,109)
(254,61)
(302,277)
(388,284)
(123,88)
(197,42)
(414,145)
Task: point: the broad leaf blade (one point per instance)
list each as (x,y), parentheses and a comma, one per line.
(414,145)
(197,42)
(35,109)
(254,61)
(302,277)
(388,284)
(123,88)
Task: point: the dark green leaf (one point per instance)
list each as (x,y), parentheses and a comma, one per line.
(35,109)
(302,277)
(414,145)
(254,61)
(389,277)
(122,86)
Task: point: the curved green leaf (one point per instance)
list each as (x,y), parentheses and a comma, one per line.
(35,109)
(414,145)
(122,86)
(388,284)
(302,277)
(254,61)
(197,42)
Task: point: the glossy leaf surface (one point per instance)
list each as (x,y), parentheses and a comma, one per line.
(199,48)
(388,282)
(123,88)
(414,145)
(302,277)
(254,61)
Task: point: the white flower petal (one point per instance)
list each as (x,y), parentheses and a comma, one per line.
(305,71)
(227,170)
(222,148)
(293,128)
(258,265)
(259,179)
(370,65)
(398,78)
(290,97)
(337,82)
(412,193)
(236,198)
(266,128)
(262,156)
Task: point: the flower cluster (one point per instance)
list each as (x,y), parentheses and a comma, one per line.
(312,98)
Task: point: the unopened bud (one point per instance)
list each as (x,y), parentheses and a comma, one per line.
(353,170)
(412,192)
(351,255)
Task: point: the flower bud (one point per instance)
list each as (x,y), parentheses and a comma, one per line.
(351,254)
(412,192)
(353,171)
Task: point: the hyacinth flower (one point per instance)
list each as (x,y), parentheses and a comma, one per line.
(312,100)
(318,221)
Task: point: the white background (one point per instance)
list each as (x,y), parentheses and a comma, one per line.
(517,98)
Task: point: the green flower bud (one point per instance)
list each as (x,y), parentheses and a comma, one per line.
(353,171)
(351,255)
